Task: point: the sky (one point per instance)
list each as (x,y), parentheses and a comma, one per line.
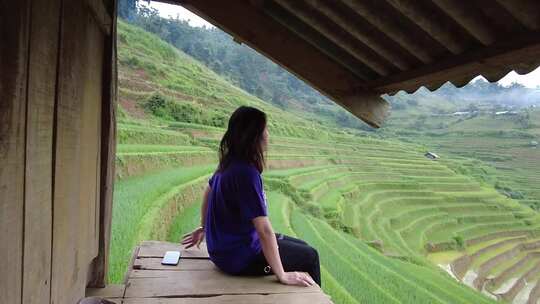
(169,10)
(531,80)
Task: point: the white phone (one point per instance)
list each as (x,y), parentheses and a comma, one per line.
(171,258)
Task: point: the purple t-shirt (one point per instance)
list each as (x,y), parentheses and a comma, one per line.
(237,197)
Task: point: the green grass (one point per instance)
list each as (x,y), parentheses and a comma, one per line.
(140,149)
(128,134)
(188,219)
(381,279)
(132,200)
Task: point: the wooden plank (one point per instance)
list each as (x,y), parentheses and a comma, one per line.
(39,142)
(410,38)
(90,131)
(434,22)
(14,30)
(370,106)
(294,298)
(100,265)
(156,249)
(156,283)
(526,11)
(68,269)
(366,33)
(101,15)
(470,18)
(312,36)
(99,300)
(109,291)
(338,35)
(183,264)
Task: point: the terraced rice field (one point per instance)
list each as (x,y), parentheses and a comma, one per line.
(319,194)
(390,225)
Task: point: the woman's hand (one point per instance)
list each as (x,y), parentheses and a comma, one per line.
(296,278)
(193,238)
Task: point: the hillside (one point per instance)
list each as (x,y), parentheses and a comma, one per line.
(494,142)
(240,65)
(391,226)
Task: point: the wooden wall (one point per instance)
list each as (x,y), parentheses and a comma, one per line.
(57,93)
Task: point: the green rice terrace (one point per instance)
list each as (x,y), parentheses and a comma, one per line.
(390,225)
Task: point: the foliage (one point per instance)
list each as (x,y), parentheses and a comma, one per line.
(184,112)
(132,199)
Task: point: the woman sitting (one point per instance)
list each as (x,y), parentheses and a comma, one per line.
(234,214)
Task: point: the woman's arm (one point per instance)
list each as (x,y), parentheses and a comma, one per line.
(197,235)
(271,253)
(204,206)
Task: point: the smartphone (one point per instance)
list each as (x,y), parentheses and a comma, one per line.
(171,258)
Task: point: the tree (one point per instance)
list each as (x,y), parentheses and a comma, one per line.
(524,120)
(127,9)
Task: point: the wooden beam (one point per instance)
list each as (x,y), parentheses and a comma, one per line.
(337,35)
(101,15)
(501,21)
(275,41)
(100,265)
(372,107)
(469,18)
(313,37)
(14,30)
(501,56)
(391,27)
(364,32)
(431,21)
(526,11)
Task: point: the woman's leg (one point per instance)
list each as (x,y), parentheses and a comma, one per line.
(281,236)
(257,267)
(297,256)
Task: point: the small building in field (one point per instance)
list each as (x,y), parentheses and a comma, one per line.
(431,155)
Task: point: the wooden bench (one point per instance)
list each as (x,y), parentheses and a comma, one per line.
(196,280)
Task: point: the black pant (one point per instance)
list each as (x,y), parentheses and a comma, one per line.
(296,255)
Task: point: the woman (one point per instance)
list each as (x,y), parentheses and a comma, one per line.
(239,236)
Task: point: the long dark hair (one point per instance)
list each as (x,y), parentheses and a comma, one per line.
(243,138)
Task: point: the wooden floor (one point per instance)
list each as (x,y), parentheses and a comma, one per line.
(196,280)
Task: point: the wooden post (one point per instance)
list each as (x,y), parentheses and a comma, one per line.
(100,265)
(42,69)
(14,30)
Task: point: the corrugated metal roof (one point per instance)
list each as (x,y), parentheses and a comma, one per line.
(354,50)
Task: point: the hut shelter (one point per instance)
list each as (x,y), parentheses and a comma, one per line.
(431,155)
(58,88)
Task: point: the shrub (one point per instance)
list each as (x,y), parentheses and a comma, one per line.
(313,209)
(167,109)
(133,62)
(459,241)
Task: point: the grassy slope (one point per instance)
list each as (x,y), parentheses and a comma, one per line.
(497,144)
(147,66)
